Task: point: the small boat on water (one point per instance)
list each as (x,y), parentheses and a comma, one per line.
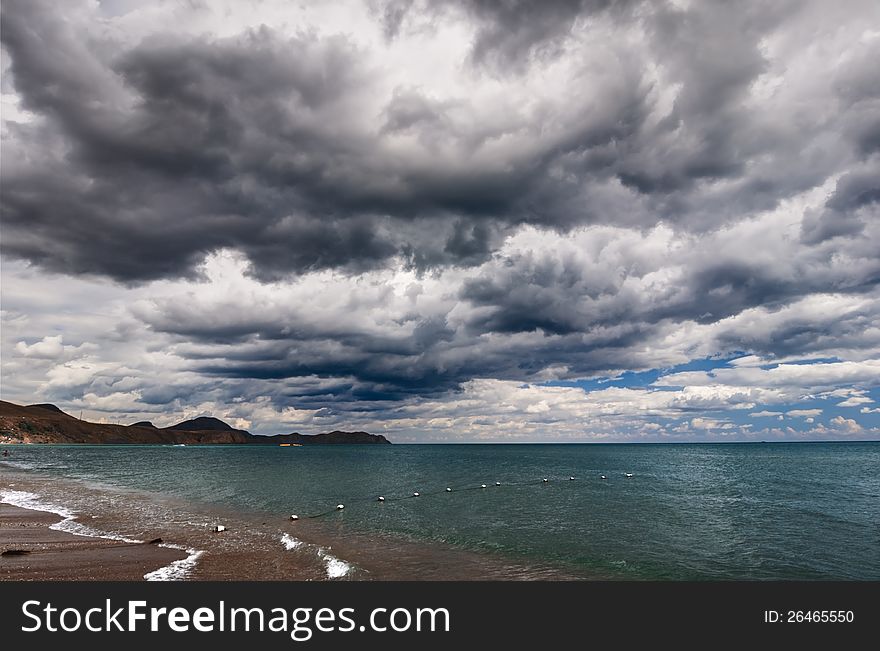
(290,445)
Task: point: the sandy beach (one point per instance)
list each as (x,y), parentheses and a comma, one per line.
(58,555)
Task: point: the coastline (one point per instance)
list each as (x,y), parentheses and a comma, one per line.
(57,555)
(79,520)
(112,540)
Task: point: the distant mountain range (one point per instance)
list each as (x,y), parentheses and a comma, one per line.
(46,423)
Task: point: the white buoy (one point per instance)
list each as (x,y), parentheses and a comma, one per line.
(482,485)
(218,528)
(339,507)
(545,480)
(294,517)
(381,499)
(498,483)
(627,474)
(415,494)
(602,477)
(571,479)
(448,490)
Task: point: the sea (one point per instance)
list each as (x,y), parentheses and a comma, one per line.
(644,512)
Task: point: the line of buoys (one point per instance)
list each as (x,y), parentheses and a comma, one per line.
(448,489)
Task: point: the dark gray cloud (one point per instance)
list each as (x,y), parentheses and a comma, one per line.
(507,32)
(584,181)
(176,146)
(854,200)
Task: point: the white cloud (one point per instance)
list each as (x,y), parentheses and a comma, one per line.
(784,377)
(847,425)
(700,423)
(803,413)
(49,347)
(74,374)
(748,360)
(855,401)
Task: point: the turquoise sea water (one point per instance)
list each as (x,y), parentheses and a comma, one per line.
(702,511)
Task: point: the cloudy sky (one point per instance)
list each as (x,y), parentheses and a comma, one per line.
(446,221)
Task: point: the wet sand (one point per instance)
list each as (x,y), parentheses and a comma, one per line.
(58,555)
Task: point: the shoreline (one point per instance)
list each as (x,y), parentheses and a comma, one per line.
(253,546)
(54,554)
(65,542)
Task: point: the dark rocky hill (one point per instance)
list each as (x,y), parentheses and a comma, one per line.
(48,424)
(202,424)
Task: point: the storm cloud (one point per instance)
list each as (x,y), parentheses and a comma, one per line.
(389,210)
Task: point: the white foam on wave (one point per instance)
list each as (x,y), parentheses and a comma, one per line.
(80,529)
(176,570)
(32,501)
(336,568)
(69,524)
(21,465)
(290,542)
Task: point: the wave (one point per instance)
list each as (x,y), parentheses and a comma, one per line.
(16,464)
(69,524)
(174,571)
(290,542)
(32,501)
(335,568)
